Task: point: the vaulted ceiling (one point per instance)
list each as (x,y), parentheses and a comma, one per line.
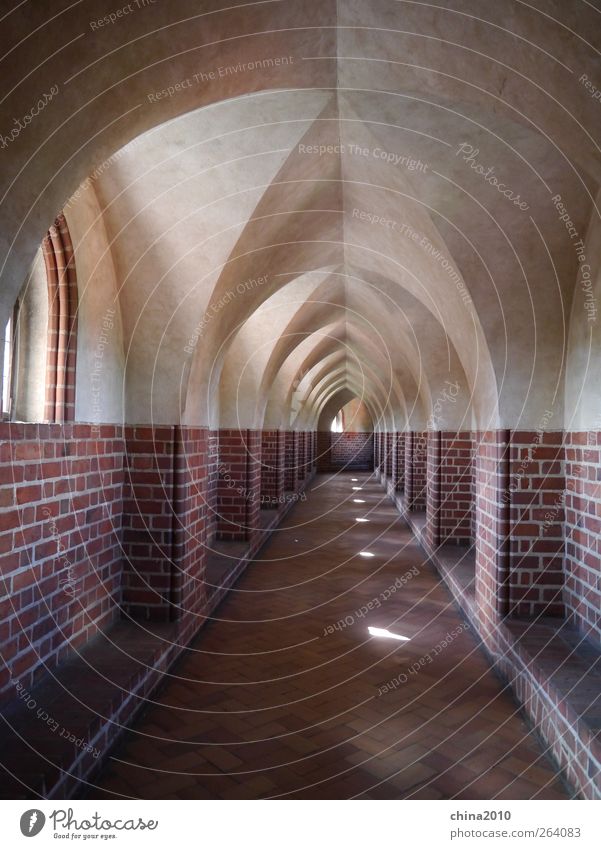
(334,200)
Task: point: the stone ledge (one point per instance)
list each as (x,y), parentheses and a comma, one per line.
(80,709)
(556,673)
(95,695)
(564,704)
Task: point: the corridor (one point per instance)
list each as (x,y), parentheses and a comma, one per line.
(286,694)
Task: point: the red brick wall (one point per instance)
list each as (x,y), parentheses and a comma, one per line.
(96,519)
(536,499)
(60,554)
(582,591)
(272,468)
(351,450)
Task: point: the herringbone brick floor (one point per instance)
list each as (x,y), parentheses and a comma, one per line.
(272,700)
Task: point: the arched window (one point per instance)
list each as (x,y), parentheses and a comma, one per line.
(62,323)
(38,347)
(9,364)
(337,425)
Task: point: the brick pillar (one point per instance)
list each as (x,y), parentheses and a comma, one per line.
(415,469)
(391,484)
(212,485)
(388,441)
(433,490)
(165,522)
(290,477)
(492,528)
(582,594)
(301,473)
(272,468)
(239,484)
(191,527)
(398,473)
(450,496)
(520,507)
(536,523)
(149,496)
(308,452)
(253,483)
(457,481)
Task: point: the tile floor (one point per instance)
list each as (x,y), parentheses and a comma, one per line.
(286,694)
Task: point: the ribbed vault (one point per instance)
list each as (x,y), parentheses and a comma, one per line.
(281,231)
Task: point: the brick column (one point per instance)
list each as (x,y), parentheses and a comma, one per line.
(148,516)
(165,521)
(582,594)
(450,498)
(253,483)
(398,473)
(415,469)
(492,528)
(391,485)
(389,442)
(191,527)
(212,484)
(537,514)
(382,454)
(290,475)
(433,490)
(301,473)
(308,452)
(457,487)
(239,484)
(272,468)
